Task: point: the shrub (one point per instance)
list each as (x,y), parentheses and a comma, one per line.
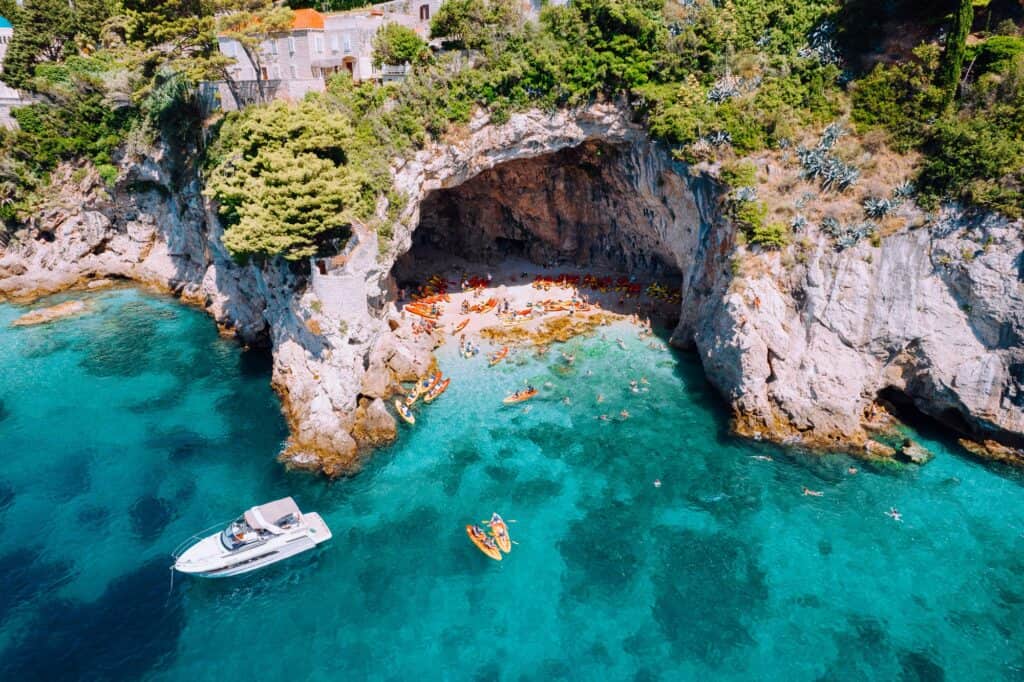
(900,98)
(738,174)
(397,44)
(773,235)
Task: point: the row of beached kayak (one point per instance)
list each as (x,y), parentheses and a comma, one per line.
(428,388)
(492,542)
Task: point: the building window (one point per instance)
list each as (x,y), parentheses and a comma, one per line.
(276,71)
(348,44)
(319,44)
(294,72)
(334,43)
(291,44)
(273,46)
(424,12)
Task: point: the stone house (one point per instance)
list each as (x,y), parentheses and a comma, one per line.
(320,45)
(9,97)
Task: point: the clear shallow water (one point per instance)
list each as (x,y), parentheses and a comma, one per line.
(125,431)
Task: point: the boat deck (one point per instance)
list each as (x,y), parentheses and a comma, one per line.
(316,523)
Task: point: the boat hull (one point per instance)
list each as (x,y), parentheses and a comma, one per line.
(208,559)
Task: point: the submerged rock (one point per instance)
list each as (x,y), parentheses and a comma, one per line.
(993,451)
(914,452)
(878,450)
(55,312)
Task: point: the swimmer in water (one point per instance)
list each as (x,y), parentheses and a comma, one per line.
(657,483)
(813,493)
(763,458)
(644,381)
(852,471)
(567,400)
(624,414)
(894,514)
(600,398)
(603,417)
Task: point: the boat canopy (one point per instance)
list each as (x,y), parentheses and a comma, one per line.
(268,516)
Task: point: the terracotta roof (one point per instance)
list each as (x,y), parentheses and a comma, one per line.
(307,18)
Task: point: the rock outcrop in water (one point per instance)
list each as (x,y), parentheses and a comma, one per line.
(800,350)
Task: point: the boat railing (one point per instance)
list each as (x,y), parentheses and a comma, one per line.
(199,535)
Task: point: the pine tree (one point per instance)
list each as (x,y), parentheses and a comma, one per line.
(956,46)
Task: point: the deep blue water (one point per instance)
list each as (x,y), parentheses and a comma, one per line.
(124,431)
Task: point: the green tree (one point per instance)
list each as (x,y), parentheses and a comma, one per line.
(397,44)
(951,66)
(46,33)
(475,24)
(285,181)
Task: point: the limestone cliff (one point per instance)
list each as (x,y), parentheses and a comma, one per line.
(801,349)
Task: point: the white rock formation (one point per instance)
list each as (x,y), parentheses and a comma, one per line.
(801,353)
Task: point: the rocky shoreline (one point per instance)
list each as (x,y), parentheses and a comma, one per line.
(801,349)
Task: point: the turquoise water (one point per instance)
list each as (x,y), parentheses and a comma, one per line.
(125,431)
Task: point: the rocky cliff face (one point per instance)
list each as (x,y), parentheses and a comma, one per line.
(931,316)
(800,348)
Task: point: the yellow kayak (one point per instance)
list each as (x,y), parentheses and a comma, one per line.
(404,412)
(484,543)
(500,533)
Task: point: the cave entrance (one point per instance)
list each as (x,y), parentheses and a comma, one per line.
(578,210)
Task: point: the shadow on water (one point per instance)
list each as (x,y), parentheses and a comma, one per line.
(129,630)
(705,614)
(150,515)
(25,576)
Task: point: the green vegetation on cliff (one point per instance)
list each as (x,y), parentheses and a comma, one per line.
(717,81)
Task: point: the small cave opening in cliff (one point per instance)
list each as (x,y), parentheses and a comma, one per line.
(945,428)
(581,210)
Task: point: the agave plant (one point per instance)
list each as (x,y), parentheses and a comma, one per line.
(878,208)
(831,135)
(847,236)
(798,223)
(745,193)
(719,138)
(904,190)
(821,44)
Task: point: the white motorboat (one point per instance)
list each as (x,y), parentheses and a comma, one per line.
(263,535)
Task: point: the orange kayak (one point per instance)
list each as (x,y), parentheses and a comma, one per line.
(460,327)
(483,542)
(437,390)
(422,386)
(421,313)
(519,397)
(499,356)
(500,533)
